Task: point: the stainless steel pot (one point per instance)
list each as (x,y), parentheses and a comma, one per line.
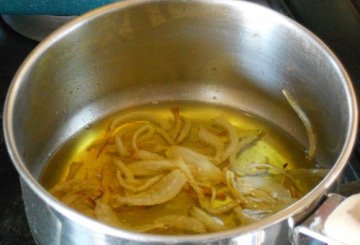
(135,52)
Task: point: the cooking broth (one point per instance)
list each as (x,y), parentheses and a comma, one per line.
(180,168)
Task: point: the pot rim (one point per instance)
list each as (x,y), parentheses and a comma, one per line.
(94,225)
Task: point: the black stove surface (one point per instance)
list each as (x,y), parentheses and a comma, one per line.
(336,22)
(13,225)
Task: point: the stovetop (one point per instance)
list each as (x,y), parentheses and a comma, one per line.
(336,22)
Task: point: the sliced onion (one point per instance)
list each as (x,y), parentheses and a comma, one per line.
(120,146)
(162,191)
(207,205)
(263,189)
(151,167)
(185,169)
(182,222)
(233,137)
(202,169)
(239,170)
(242,217)
(139,116)
(146,184)
(305,120)
(242,145)
(107,176)
(178,122)
(148,227)
(147,155)
(164,135)
(142,130)
(105,214)
(230,181)
(124,169)
(75,186)
(211,223)
(185,130)
(213,140)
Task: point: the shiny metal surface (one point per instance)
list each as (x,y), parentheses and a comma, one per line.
(35,27)
(313,226)
(135,52)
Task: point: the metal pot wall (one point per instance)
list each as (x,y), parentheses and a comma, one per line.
(134,52)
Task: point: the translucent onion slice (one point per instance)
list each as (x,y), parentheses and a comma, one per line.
(75,185)
(147,155)
(186,171)
(162,191)
(139,116)
(251,169)
(120,146)
(240,170)
(151,167)
(231,184)
(146,184)
(211,223)
(213,140)
(305,120)
(207,205)
(144,129)
(164,135)
(242,217)
(178,122)
(203,201)
(185,130)
(242,145)
(256,214)
(106,215)
(124,169)
(80,203)
(233,137)
(202,169)
(263,189)
(107,176)
(182,222)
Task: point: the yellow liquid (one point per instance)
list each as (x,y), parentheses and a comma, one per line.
(274,148)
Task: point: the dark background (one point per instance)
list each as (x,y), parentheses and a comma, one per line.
(336,22)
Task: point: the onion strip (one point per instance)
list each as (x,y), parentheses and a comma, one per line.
(164,135)
(124,169)
(182,222)
(241,146)
(213,140)
(184,131)
(120,146)
(139,116)
(306,122)
(233,137)
(151,167)
(142,187)
(230,181)
(211,223)
(162,191)
(147,155)
(204,170)
(142,130)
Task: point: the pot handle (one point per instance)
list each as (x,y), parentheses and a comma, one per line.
(336,221)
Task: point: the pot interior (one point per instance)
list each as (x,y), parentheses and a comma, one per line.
(239,55)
